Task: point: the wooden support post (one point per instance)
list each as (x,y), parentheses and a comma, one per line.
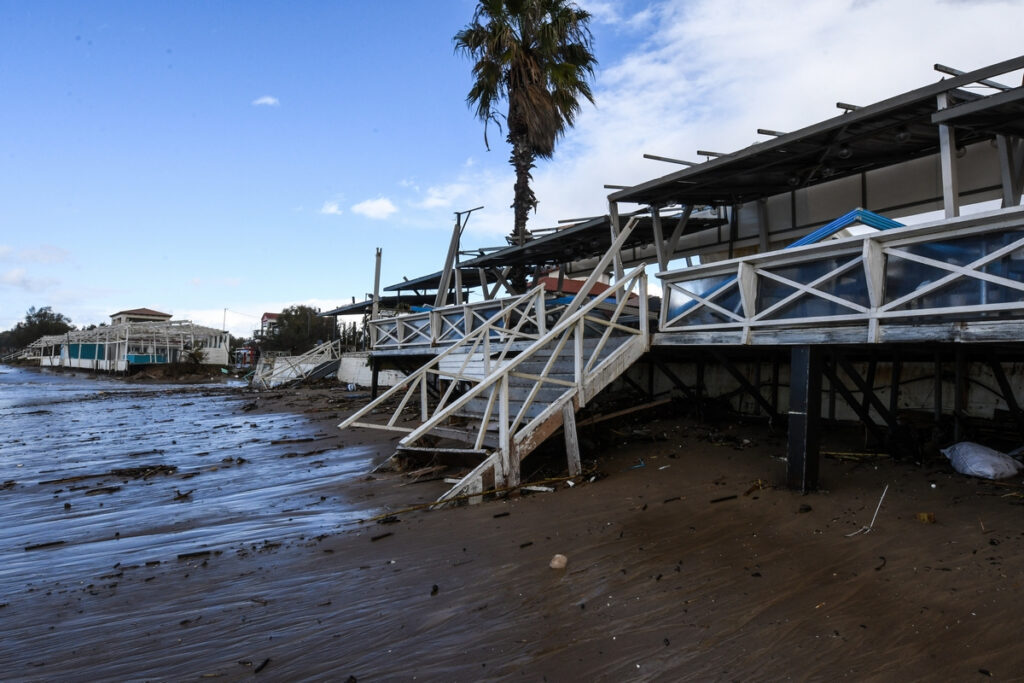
(375,306)
(374,377)
(762,225)
(804,417)
(947,158)
(1008,172)
(501,472)
(960,392)
(572,444)
(894,386)
(613,214)
(775,382)
(659,238)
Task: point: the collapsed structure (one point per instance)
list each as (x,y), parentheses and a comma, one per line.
(136,337)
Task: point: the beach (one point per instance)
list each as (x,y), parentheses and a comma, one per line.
(686,557)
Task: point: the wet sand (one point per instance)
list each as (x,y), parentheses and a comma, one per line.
(691,566)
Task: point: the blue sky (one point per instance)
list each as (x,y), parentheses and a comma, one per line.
(197,156)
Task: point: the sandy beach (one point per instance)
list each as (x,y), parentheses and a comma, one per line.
(686,561)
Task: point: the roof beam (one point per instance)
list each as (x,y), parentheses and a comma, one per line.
(941,68)
(670,160)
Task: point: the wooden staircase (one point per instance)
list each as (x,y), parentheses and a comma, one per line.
(513,382)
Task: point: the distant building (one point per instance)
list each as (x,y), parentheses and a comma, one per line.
(268,325)
(140,336)
(139,315)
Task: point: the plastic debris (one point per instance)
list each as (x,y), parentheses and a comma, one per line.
(558,561)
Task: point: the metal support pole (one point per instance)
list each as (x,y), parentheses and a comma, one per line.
(804,417)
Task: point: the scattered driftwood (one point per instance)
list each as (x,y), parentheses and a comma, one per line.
(40,546)
(141,472)
(194,555)
(102,489)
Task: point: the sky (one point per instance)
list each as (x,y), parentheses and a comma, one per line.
(216,160)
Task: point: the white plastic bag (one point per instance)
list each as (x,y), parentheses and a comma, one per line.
(976,460)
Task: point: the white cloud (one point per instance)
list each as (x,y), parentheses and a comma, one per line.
(266,101)
(611,13)
(444,196)
(378,209)
(18,278)
(44,253)
(331,209)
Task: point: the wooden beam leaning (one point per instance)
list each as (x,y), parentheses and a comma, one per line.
(831,372)
(754,392)
(867,392)
(1007,391)
(673,241)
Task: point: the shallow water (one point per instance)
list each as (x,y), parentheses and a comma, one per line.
(198,474)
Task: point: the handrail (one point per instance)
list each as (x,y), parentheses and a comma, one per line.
(479,335)
(573,323)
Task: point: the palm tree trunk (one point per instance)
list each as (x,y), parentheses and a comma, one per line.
(524,201)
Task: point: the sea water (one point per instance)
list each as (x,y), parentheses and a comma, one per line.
(215,480)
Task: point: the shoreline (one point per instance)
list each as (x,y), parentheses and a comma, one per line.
(684,561)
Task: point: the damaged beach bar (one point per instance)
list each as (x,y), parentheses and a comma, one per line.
(137,337)
(866,269)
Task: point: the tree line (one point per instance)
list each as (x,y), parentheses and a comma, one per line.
(38,322)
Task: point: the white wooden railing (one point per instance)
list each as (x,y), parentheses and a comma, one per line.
(468,359)
(584,334)
(966,269)
(442,326)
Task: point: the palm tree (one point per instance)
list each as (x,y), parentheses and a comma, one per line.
(535,55)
